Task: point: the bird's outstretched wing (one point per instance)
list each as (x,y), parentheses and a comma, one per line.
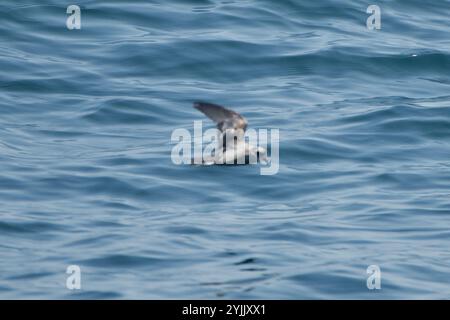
(225,118)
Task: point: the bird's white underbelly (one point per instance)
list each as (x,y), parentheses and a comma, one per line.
(237,154)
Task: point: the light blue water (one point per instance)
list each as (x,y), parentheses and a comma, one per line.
(86,176)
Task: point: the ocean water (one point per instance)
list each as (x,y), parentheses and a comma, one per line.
(86,177)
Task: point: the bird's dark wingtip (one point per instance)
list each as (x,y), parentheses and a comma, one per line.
(200,104)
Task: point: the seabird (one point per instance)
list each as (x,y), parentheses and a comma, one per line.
(232,147)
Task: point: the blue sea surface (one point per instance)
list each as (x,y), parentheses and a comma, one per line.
(86,176)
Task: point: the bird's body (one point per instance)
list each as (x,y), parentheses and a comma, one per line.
(232,148)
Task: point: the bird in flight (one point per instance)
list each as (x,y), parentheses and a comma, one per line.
(232,147)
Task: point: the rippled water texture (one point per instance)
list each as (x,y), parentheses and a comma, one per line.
(86,177)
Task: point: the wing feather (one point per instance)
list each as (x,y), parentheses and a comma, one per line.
(225,118)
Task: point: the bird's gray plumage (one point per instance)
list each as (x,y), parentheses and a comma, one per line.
(230,123)
(232,127)
(225,118)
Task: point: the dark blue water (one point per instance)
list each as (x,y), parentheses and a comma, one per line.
(86,176)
